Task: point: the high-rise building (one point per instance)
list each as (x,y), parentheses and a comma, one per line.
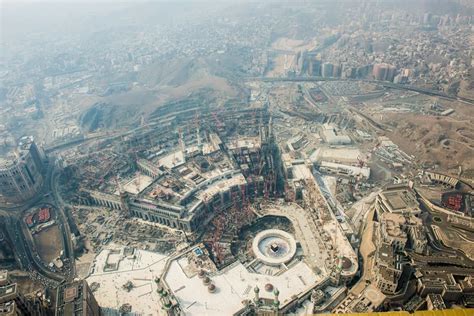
(348,71)
(384,72)
(427,18)
(302,62)
(336,72)
(379,71)
(21,172)
(315,69)
(7,255)
(76,299)
(14,303)
(327,70)
(364,71)
(390,73)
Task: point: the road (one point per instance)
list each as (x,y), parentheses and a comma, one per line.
(25,257)
(64,225)
(25,251)
(385,84)
(366,249)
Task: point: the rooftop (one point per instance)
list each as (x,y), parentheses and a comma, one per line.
(8,292)
(12,154)
(172,160)
(222,185)
(137,184)
(336,154)
(392,224)
(234,285)
(141,269)
(399,199)
(245,142)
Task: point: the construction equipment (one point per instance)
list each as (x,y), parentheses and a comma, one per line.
(217,250)
(218,122)
(290,195)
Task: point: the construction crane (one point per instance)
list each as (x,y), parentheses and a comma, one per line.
(218,224)
(267,188)
(289,193)
(119,186)
(180,139)
(255,122)
(108,169)
(246,211)
(197,127)
(217,120)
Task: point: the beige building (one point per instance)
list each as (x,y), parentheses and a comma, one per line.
(21,175)
(14,303)
(77,299)
(387,269)
(398,199)
(417,238)
(392,232)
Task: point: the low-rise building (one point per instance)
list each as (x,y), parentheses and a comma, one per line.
(435,281)
(333,136)
(398,199)
(344,170)
(368,301)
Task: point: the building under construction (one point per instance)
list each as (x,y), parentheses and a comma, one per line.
(188,163)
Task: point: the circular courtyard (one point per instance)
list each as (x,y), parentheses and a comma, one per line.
(274,247)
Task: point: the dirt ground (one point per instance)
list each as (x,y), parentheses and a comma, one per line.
(84,261)
(445,141)
(290,44)
(25,284)
(83,264)
(281,64)
(367,249)
(48,243)
(284,62)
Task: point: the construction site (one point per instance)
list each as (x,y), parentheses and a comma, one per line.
(219,177)
(255,203)
(237,158)
(45,237)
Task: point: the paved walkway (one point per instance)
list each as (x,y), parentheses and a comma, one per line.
(367,249)
(306,233)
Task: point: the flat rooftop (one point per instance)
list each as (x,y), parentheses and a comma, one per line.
(137,184)
(399,199)
(222,185)
(301,172)
(234,285)
(172,160)
(7,292)
(245,142)
(336,154)
(395,201)
(141,269)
